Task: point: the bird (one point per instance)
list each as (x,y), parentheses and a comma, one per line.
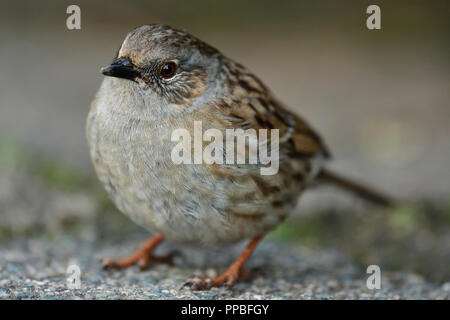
(163,79)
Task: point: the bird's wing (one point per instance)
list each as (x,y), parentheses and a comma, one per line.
(252,105)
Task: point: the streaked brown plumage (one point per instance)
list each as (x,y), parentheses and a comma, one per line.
(165,79)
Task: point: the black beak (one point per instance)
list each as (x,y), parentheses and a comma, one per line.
(121,68)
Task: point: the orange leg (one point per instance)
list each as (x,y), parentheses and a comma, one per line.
(229,277)
(143,256)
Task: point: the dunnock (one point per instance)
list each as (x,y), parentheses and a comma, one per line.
(164,79)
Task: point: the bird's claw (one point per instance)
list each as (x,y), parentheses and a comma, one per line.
(143,260)
(108,264)
(225,280)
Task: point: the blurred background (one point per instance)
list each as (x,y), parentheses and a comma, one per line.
(380,98)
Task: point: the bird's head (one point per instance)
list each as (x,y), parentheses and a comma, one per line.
(175,66)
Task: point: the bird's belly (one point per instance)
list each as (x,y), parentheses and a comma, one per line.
(187,203)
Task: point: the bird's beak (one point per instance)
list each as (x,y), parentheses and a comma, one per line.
(121,68)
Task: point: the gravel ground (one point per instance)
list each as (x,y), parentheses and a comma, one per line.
(36,269)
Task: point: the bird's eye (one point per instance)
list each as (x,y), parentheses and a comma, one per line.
(168,70)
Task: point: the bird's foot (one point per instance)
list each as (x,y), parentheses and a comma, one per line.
(227,279)
(144,256)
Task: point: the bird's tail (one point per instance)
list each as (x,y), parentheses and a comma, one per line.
(361,190)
